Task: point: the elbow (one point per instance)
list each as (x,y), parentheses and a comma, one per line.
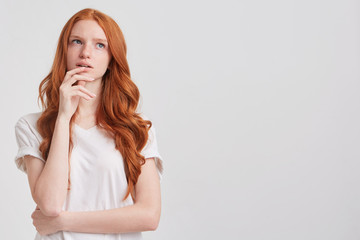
(153,219)
(50,211)
(47,207)
(153,227)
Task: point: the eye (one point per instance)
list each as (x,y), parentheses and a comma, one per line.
(100,45)
(77,41)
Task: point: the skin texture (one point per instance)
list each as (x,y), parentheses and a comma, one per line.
(79,95)
(86,48)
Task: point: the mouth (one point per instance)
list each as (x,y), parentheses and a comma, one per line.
(83,65)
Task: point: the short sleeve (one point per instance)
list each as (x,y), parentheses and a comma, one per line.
(151,151)
(28,143)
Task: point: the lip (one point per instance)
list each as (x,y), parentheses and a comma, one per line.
(84,63)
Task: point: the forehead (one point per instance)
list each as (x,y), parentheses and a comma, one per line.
(88,28)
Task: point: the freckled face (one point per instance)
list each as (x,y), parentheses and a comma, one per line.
(88,47)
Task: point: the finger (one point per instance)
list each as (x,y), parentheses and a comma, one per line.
(81,94)
(70,73)
(76,77)
(84,90)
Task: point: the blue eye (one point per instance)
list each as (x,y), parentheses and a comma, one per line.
(101,45)
(76,41)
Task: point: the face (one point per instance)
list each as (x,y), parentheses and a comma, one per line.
(88,46)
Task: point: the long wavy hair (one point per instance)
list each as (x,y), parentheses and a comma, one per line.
(116,112)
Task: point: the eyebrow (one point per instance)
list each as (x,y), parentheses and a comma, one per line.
(96,39)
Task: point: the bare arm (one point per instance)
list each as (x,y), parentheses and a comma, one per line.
(144,215)
(49,182)
(50,189)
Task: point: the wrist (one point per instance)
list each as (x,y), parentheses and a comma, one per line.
(64,220)
(63,119)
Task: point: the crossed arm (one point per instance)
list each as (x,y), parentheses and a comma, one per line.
(143,215)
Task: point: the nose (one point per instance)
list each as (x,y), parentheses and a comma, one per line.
(85,51)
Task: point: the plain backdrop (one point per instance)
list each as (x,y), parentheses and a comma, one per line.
(255,103)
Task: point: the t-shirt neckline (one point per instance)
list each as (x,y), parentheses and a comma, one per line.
(85,130)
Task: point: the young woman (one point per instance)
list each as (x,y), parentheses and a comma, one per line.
(91,159)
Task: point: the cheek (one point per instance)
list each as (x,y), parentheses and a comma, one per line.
(70,59)
(105,62)
(108,60)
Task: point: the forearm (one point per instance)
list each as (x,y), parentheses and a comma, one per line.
(51,187)
(134,218)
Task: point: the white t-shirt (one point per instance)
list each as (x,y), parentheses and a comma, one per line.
(97,174)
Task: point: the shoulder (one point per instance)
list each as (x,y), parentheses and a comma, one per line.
(28,122)
(30,118)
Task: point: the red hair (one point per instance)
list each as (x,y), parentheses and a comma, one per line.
(116,112)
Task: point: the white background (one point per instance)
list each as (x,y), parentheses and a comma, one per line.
(255,103)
